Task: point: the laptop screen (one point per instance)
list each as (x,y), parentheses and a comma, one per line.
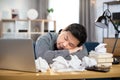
(17,54)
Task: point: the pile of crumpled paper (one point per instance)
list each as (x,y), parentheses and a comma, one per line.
(62,65)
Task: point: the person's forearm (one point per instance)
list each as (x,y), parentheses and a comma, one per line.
(82,53)
(74,50)
(50,55)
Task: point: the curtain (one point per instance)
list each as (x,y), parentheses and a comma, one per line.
(1,29)
(42,8)
(87,18)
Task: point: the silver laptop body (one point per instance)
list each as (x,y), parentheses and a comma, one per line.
(17,54)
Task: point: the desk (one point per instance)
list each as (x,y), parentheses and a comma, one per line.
(16,75)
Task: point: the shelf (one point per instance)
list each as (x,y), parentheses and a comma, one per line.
(14,33)
(112,2)
(114,17)
(13,20)
(8,33)
(36,33)
(45,20)
(32,27)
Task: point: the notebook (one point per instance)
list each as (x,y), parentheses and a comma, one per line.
(17,54)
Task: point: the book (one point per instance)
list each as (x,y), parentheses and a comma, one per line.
(109,64)
(100,55)
(100,60)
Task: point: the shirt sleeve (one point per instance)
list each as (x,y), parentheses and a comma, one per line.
(82,53)
(43,49)
(50,55)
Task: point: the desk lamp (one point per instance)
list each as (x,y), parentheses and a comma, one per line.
(102,22)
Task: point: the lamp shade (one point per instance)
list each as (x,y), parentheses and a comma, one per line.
(101,22)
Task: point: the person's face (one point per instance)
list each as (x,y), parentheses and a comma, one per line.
(66,40)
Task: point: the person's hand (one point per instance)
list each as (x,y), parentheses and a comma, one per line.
(75,49)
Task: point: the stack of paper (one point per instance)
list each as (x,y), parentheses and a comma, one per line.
(102,59)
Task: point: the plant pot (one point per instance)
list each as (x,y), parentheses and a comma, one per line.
(49,16)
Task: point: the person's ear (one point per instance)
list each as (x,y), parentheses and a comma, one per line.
(60,31)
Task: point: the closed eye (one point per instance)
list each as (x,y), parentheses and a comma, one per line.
(66,38)
(71,45)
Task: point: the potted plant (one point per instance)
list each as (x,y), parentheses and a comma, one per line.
(50,10)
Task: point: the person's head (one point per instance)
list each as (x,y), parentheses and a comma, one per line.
(72,36)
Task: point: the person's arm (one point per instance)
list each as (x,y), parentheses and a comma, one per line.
(50,55)
(44,48)
(81,53)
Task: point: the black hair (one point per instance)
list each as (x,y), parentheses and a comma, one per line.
(78,31)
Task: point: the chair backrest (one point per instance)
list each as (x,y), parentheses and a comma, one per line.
(91,45)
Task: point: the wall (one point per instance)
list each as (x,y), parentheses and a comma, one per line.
(22,5)
(65,12)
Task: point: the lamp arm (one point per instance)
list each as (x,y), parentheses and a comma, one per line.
(115,27)
(118,31)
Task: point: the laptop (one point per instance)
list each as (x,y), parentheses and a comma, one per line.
(17,54)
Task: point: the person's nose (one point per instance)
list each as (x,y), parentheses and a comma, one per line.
(65,44)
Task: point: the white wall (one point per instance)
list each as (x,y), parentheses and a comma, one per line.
(65,12)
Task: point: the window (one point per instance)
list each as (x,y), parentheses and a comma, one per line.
(65,12)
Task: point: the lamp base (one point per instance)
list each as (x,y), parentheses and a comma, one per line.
(116,60)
